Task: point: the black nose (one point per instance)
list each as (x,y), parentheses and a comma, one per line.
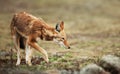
(68,47)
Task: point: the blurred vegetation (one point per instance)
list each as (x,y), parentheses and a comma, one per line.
(92,27)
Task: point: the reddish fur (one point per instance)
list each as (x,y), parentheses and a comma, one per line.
(28,28)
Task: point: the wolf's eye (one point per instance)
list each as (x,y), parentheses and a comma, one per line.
(63,38)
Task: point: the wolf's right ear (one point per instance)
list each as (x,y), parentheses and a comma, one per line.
(61,25)
(57,27)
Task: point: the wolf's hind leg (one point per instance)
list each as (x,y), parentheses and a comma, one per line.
(16,42)
(28,57)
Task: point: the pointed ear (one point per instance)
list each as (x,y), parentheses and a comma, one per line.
(62,25)
(57,27)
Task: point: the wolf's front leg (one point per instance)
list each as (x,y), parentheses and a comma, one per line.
(36,46)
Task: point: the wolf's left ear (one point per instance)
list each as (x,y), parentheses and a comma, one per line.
(57,27)
(62,25)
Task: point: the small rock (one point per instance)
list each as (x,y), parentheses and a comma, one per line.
(93,69)
(111,63)
(3,53)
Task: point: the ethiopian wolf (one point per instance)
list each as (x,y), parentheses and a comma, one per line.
(27,29)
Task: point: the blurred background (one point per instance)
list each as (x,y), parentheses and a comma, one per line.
(81,17)
(92,26)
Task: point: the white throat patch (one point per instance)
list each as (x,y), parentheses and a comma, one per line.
(59,42)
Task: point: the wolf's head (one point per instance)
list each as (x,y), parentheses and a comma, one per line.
(62,39)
